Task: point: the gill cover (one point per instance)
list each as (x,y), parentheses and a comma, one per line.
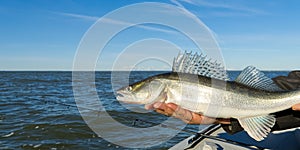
(157,91)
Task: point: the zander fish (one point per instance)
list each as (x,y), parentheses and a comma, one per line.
(202,86)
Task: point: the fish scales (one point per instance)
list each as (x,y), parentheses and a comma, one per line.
(234,96)
(251,98)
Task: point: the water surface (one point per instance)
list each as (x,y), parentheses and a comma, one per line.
(38,111)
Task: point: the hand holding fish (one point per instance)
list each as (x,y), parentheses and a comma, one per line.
(187,116)
(190,117)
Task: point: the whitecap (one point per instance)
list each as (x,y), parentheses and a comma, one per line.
(8,135)
(36,146)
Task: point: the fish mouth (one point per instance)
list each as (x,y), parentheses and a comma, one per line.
(121,97)
(125,97)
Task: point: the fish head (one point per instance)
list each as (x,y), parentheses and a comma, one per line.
(142,92)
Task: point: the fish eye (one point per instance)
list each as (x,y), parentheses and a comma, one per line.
(129,88)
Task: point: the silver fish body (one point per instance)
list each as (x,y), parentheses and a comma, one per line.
(200,85)
(197,93)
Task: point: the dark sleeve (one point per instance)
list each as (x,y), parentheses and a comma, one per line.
(233,127)
(286,119)
(290,82)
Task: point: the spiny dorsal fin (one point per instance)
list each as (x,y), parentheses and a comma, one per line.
(199,65)
(254,78)
(258,127)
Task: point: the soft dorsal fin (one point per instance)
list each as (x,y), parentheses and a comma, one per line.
(199,65)
(254,78)
(258,127)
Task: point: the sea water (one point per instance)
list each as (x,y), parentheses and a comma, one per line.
(38,111)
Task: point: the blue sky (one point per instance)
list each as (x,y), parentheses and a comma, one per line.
(44,34)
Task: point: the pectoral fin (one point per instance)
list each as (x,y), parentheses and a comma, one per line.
(258,127)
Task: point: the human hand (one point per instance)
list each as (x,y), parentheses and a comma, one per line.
(296,107)
(187,116)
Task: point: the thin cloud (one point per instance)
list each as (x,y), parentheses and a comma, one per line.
(112,21)
(251,50)
(231,7)
(115,22)
(283,39)
(230,14)
(188,1)
(79,16)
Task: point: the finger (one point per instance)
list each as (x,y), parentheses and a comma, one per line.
(187,116)
(197,119)
(159,105)
(163,109)
(172,106)
(179,112)
(190,117)
(296,107)
(162,112)
(183,114)
(156,105)
(149,107)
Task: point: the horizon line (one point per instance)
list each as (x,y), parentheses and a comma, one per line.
(52,70)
